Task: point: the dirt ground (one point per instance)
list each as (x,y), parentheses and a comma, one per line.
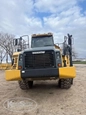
(45,98)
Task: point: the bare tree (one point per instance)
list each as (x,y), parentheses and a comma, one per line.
(6,42)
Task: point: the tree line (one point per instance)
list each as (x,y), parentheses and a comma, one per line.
(6,44)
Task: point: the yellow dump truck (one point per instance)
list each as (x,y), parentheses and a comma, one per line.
(43,61)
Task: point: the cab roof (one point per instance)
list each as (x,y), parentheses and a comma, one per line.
(42,35)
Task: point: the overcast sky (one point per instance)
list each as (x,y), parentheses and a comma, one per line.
(20,17)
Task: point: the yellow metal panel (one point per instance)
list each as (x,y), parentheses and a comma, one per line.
(12,75)
(67,72)
(4,66)
(16,53)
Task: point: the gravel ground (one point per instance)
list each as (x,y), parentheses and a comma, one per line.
(45,98)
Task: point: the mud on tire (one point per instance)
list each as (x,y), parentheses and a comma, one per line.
(65,83)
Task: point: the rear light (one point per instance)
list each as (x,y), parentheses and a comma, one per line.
(59,65)
(19,67)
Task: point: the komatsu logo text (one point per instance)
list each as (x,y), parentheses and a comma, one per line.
(41,52)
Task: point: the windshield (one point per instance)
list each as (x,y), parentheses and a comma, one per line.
(42,41)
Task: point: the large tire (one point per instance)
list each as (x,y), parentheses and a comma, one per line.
(65,83)
(23,85)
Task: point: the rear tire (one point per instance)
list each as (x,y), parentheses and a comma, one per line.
(65,83)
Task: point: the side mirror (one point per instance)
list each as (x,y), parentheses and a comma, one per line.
(15,42)
(69,39)
(20,38)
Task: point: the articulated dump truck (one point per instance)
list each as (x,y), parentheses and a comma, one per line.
(43,61)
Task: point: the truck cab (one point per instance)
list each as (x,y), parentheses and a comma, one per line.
(42,40)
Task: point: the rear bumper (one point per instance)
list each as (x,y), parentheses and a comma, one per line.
(48,72)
